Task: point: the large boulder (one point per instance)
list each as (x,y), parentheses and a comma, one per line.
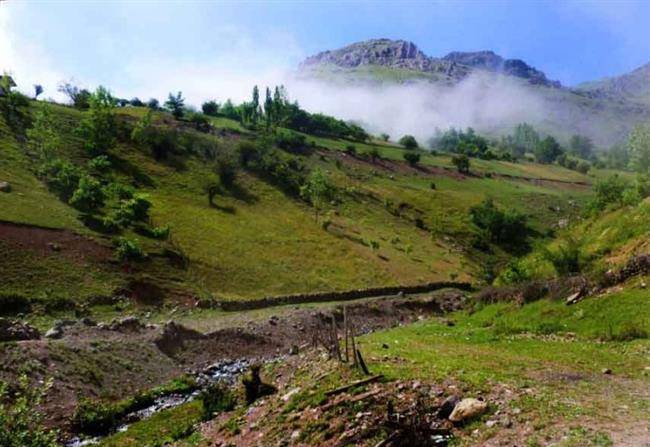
(5,187)
(15,331)
(467,409)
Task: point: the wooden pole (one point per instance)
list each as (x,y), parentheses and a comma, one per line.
(345,330)
(335,340)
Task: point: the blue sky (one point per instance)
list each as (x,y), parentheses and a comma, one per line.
(219,49)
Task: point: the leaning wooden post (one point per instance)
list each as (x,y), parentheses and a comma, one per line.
(354,346)
(335,340)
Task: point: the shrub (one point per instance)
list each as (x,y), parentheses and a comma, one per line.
(291,142)
(89,195)
(412,158)
(216,399)
(200,122)
(21,422)
(461,162)
(95,418)
(61,177)
(502,227)
(226,170)
(409,142)
(13,303)
(608,192)
(98,129)
(210,108)
(374,154)
(566,259)
(514,273)
(99,164)
(128,249)
(351,149)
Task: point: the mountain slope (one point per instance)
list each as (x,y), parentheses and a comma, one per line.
(479,89)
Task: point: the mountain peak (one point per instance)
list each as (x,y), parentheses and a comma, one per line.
(406,55)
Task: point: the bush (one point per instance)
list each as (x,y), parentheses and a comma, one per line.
(412,158)
(291,142)
(128,250)
(374,154)
(216,399)
(13,303)
(566,259)
(99,164)
(95,418)
(61,177)
(409,142)
(514,273)
(98,129)
(210,108)
(609,192)
(200,122)
(508,227)
(88,196)
(21,422)
(226,170)
(461,162)
(351,149)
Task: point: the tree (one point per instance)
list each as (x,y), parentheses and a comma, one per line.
(409,142)
(210,108)
(547,150)
(525,138)
(88,195)
(136,102)
(384,137)
(153,104)
(176,104)
(80,98)
(268,108)
(639,148)
(413,158)
(317,190)
(255,104)
(98,129)
(508,227)
(42,136)
(581,146)
(461,162)
(12,104)
(38,90)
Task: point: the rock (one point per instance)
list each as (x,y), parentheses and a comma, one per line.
(15,331)
(574,298)
(54,333)
(292,392)
(293,350)
(88,322)
(448,406)
(384,345)
(491,423)
(5,187)
(643,285)
(130,324)
(468,408)
(606,371)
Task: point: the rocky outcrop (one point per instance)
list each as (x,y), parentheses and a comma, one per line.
(16,331)
(403,54)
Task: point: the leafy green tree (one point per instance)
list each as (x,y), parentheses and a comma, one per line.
(12,104)
(88,196)
(176,104)
(255,105)
(547,150)
(609,191)
(210,108)
(38,90)
(43,136)
(639,147)
(409,142)
(21,422)
(136,102)
(508,227)
(581,146)
(462,163)
(384,137)
(525,139)
(412,158)
(153,104)
(98,128)
(317,190)
(80,98)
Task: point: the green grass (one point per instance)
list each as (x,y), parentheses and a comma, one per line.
(162,428)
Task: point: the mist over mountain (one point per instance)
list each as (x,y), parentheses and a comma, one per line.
(392,86)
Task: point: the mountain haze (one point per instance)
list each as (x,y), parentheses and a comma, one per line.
(480,89)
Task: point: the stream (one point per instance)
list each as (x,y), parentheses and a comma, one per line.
(226,372)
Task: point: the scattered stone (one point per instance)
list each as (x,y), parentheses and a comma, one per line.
(5,187)
(606,371)
(448,406)
(130,324)
(385,345)
(468,408)
(643,285)
(574,298)
(506,422)
(491,423)
(54,246)
(516,411)
(54,333)
(15,331)
(292,392)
